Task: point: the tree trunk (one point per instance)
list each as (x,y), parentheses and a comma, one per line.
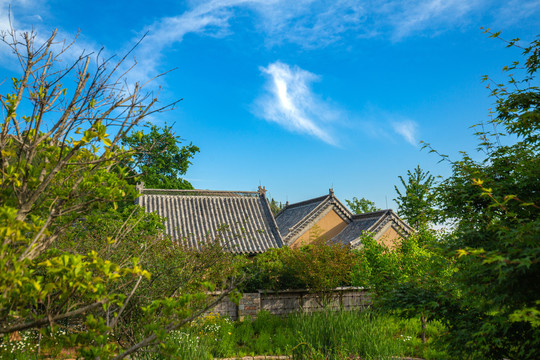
(423,319)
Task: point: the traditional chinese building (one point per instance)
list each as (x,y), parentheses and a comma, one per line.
(243,223)
(327,217)
(240,220)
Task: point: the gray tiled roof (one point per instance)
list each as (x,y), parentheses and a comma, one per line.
(359,224)
(292,214)
(194,216)
(294,219)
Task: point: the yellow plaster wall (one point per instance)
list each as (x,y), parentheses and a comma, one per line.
(389,238)
(327,227)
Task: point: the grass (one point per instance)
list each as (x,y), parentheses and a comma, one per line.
(323,335)
(336,335)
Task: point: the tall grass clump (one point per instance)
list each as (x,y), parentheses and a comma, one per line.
(265,335)
(342,334)
(178,344)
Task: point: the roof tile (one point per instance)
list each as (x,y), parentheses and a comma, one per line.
(242,220)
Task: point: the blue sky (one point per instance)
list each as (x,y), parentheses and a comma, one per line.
(301,96)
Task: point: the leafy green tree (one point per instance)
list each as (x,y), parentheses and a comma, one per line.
(319,267)
(176,271)
(361,206)
(494,204)
(58,164)
(162,160)
(60,180)
(482,279)
(413,279)
(268,271)
(416,203)
(275,207)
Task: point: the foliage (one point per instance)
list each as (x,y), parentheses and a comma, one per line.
(482,280)
(175,270)
(15,347)
(58,163)
(162,161)
(362,205)
(275,207)
(330,335)
(413,279)
(268,271)
(369,334)
(494,205)
(319,267)
(68,257)
(416,204)
(342,335)
(178,344)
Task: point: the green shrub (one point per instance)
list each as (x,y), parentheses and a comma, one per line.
(319,266)
(224,346)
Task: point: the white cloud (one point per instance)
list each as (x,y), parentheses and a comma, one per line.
(514,11)
(413,16)
(291,103)
(25,9)
(306,22)
(408,129)
(9,11)
(209,18)
(309,23)
(26,16)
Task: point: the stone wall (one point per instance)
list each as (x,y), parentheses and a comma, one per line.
(286,302)
(226,307)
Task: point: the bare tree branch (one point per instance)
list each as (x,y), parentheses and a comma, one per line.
(42,322)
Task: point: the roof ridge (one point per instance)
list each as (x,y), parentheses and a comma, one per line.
(371,214)
(348,214)
(273,224)
(199,192)
(307,218)
(383,216)
(305,202)
(400,222)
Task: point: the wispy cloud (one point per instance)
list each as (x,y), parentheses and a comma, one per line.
(310,23)
(381,124)
(414,16)
(408,129)
(210,18)
(307,22)
(514,11)
(26,16)
(289,100)
(291,103)
(15,15)
(23,15)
